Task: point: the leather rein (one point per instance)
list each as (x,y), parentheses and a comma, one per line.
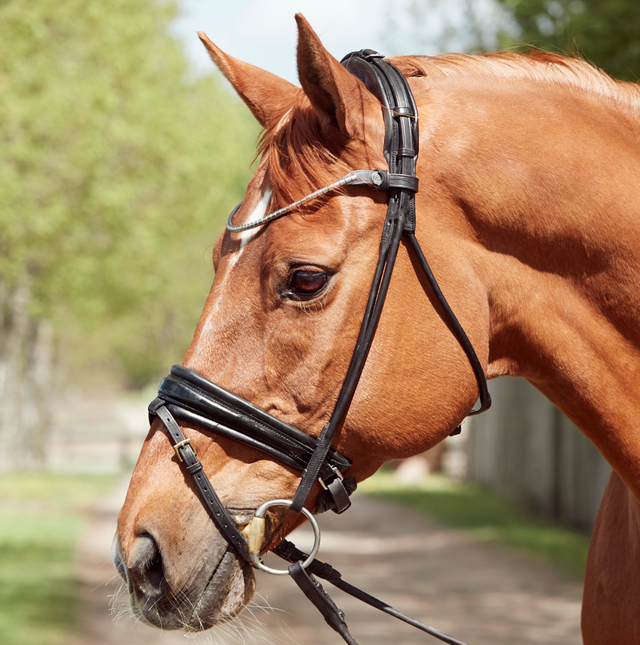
(190,397)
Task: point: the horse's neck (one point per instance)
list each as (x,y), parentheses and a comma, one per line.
(552,196)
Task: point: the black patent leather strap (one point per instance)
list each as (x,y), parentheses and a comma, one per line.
(287,457)
(221,518)
(191,397)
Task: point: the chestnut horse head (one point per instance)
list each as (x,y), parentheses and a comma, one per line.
(523,212)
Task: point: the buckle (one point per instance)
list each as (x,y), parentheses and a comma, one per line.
(336,472)
(181,444)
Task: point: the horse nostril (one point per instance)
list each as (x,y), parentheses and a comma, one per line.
(155,571)
(147,570)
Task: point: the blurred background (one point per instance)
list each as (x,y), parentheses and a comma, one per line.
(123,151)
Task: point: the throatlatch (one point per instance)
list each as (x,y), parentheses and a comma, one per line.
(188,396)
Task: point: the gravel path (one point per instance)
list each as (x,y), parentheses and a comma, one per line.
(473,591)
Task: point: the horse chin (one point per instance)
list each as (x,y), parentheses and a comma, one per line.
(212,595)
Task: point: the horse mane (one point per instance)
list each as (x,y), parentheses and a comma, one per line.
(537,66)
(300,159)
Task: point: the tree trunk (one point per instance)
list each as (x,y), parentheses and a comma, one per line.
(25,380)
(40,377)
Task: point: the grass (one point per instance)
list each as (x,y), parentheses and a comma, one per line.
(486,516)
(40,522)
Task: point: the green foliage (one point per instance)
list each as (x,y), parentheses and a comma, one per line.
(487,516)
(54,491)
(39,529)
(116,172)
(606,34)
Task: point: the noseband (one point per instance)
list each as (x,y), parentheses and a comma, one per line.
(188,396)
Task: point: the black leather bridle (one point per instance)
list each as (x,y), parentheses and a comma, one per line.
(189,397)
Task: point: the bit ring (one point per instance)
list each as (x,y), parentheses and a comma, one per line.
(261,513)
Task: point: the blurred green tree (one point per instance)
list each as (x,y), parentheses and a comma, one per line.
(117,169)
(606,34)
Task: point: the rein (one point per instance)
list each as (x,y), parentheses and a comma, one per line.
(188,396)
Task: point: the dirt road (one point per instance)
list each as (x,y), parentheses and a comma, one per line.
(475,592)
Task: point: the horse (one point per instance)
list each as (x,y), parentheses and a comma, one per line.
(529,214)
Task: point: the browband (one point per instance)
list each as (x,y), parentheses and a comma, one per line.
(376,179)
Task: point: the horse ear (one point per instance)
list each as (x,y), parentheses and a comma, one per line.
(264,93)
(337,95)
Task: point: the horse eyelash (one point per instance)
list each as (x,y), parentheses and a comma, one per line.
(314,306)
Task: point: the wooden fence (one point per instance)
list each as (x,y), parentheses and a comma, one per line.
(527,449)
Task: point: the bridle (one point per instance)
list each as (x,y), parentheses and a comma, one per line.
(188,396)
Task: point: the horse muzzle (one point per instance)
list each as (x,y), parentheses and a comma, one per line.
(193,593)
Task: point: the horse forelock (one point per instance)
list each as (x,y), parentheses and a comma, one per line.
(300,155)
(537,66)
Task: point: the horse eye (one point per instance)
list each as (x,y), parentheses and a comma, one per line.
(307,283)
